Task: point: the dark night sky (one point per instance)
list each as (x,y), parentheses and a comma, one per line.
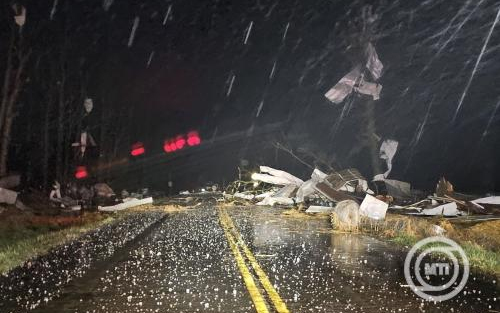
(201,47)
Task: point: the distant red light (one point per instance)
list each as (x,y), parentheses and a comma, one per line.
(180,142)
(166,147)
(193,138)
(173,147)
(137,149)
(81,172)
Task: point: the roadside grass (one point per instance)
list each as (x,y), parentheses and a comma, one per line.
(480,240)
(23,237)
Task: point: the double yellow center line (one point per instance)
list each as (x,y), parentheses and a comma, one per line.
(240,250)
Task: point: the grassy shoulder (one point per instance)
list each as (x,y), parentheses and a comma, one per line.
(23,237)
(480,240)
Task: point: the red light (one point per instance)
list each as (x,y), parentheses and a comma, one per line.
(81,172)
(180,142)
(166,147)
(137,149)
(173,147)
(193,138)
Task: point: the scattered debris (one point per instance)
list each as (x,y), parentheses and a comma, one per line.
(373,208)
(444,188)
(128,203)
(448,209)
(7,196)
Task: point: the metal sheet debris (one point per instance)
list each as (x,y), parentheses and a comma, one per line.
(373,63)
(448,209)
(344,87)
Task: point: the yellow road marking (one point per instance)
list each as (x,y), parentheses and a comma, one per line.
(279,304)
(257,299)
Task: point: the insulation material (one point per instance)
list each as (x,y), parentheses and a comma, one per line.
(270,179)
(344,87)
(373,208)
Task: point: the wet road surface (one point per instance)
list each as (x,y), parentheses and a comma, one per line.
(189,262)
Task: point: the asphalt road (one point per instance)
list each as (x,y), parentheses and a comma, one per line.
(254,260)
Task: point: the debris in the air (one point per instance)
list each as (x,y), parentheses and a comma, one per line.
(344,87)
(88,104)
(369,88)
(20,14)
(132,33)
(128,203)
(388,149)
(373,208)
(373,63)
(86,140)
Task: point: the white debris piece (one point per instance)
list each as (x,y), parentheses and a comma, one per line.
(373,208)
(244,196)
(279,173)
(132,33)
(270,179)
(347,213)
(448,209)
(88,104)
(318,175)
(20,14)
(129,203)
(276,200)
(85,140)
(387,151)
(344,87)
(7,196)
(369,89)
(373,63)
(320,209)
(487,200)
(307,188)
